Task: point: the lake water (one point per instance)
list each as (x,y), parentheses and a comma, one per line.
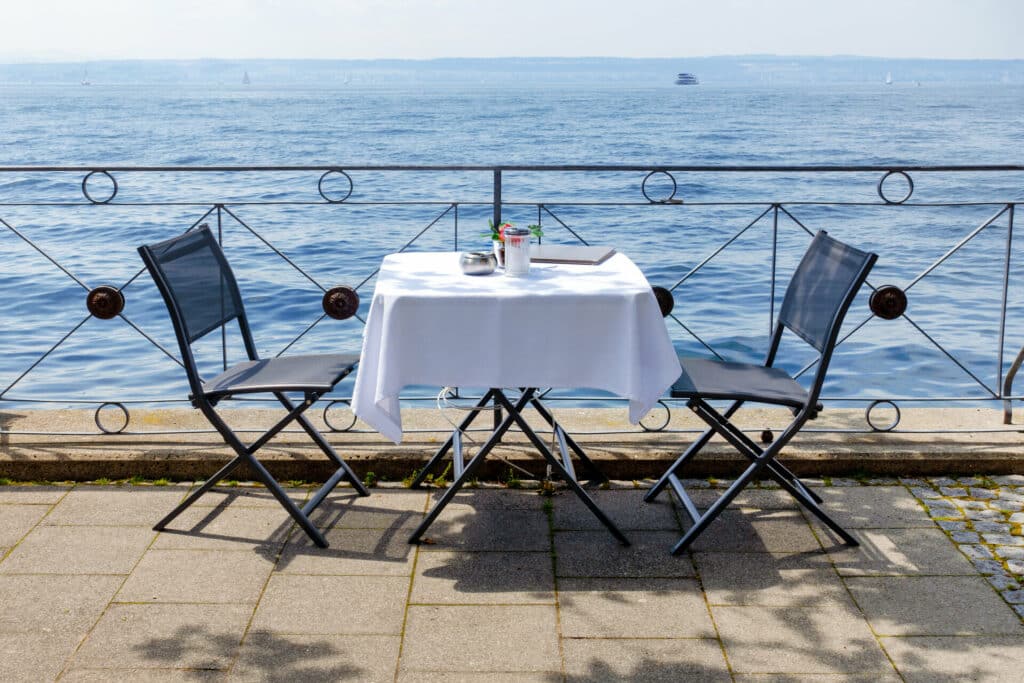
(726,303)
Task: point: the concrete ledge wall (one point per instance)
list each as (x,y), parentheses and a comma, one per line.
(66,445)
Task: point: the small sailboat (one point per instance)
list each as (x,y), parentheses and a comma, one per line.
(888,78)
(245,78)
(85,78)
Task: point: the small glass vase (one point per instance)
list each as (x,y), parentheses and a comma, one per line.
(517,252)
(499,252)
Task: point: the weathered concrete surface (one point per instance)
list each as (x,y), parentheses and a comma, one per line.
(513,586)
(67,445)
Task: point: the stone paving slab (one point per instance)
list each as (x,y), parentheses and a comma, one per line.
(933,605)
(269,656)
(78,550)
(165,636)
(933,659)
(661,660)
(332,605)
(504,593)
(18,520)
(899,551)
(484,578)
(477,638)
(825,638)
(633,608)
(772,579)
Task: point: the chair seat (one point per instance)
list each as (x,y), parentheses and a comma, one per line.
(309,373)
(714,379)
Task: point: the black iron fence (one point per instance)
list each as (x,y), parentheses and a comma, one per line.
(941,320)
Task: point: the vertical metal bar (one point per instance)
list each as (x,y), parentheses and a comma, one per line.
(497,196)
(1006,288)
(456,207)
(775,253)
(223,328)
(539,222)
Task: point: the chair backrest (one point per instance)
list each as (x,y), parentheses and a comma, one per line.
(819,295)
(200,291)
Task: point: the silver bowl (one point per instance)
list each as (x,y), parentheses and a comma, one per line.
(478,262)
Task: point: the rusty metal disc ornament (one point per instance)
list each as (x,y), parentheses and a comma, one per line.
(666,302)
(888,302)
(105,302)
(85,187)
(341,302)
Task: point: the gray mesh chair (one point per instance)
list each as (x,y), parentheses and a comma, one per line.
(202,296)
(821,291)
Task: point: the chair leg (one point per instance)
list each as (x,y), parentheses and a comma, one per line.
(195,495)
(288,504)
(716,508)
(326,447)
(688,455)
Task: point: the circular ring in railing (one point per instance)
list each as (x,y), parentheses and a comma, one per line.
(658,428)
(666,302)
(888,302)
(105,302)
(341,302)
(666,200)
(333,427)
(99,424)
(85,187)
(336,200)
(886,428)
(881,188)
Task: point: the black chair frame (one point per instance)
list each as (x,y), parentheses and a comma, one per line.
(763,460)
(205,396)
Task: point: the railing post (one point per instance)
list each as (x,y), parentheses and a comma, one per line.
(497,196)
(497,221)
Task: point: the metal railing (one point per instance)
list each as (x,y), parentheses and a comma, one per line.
(83,326)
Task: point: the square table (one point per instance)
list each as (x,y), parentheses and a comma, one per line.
(561,326)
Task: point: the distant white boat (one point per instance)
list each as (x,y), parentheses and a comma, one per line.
(888,78)
(245,78)
(687,79)
(85,78)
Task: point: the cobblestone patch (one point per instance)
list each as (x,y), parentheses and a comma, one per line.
(982,516)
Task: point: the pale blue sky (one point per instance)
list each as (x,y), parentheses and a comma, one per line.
(49,30)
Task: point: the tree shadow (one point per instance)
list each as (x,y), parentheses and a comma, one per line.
(264,655)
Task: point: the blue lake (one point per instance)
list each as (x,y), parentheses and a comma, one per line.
(956,310)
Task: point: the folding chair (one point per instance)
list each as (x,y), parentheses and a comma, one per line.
(202,295)
(821,291)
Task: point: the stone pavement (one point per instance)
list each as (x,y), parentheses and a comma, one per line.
(512,586)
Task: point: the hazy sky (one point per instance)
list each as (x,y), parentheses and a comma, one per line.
(47,30)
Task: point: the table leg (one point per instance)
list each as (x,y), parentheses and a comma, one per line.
(425,470)
(514,414)
(473,464)
(595,474)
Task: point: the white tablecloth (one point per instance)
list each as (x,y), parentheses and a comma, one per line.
(562,326)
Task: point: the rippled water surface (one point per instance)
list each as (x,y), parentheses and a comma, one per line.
(55,244)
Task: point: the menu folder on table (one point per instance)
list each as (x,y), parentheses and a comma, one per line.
(570,253)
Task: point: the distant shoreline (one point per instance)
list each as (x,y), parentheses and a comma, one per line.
(741,70)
